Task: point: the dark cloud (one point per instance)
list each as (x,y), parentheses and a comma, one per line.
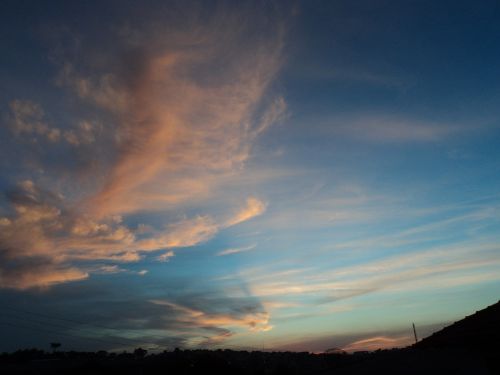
(112,318)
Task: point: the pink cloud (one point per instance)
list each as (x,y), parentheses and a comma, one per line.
(173,135)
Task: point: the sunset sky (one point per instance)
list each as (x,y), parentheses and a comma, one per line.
(219,174)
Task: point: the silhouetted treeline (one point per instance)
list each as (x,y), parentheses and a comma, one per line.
(175,362)
(224,362)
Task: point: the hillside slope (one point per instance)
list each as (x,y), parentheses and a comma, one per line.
(479,332)
(468,346)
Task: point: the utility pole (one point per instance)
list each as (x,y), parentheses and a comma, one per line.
(415,333)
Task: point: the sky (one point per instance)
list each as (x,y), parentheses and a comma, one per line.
(250,175)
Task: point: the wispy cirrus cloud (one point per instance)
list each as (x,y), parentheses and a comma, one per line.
(174,129)
(169,134)
(378,342)
(435,267)
(184,233)
(190,232)
(27,119)
(254,207)
(236,250)
(356,341)
(393,129)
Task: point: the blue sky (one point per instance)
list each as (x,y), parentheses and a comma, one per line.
(289,175)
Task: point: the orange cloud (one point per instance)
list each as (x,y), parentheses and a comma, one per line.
(254,207)
(253,321)
(40,276)
(378,342)
(173,129)
(182,234)
(57,237)
(180,113)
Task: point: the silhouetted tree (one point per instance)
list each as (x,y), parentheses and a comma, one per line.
(140,352)
(55,345)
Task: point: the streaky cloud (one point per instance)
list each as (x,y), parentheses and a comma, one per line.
(164,135)
(236,250)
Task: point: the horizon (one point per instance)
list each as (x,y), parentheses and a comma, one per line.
(283,175)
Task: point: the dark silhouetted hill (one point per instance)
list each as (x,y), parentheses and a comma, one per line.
(468,346)
(479,332)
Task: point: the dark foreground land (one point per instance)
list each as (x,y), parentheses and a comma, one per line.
(470,346)
(404,361)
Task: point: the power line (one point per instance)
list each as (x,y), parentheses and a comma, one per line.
(31,328)
(66,332)
(66,328)
(133,342)
(74,321)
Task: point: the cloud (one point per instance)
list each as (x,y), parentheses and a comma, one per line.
(378,342)
(178,107)
(191,232)
(185,233)
(438,267)
(390,129)
(124,318)
(356,341)
(41,237)
(202,318)
(165,257)
(350,342)
(39,272)
(174,129)
(355,74)
(27,118)
(110,269)
(254,207)
(102,91)
(44,229)
(113,269)
(255,321)
(84,133)
(236,250)
(207,317)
